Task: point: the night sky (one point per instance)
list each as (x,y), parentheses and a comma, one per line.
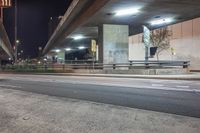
(33,18)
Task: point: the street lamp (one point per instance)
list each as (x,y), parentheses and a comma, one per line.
(18,41)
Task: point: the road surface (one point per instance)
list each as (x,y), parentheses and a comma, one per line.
(169,96)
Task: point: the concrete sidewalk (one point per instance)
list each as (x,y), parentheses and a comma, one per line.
(23,112)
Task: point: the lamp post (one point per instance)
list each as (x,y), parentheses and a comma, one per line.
(16,41)
(40,52)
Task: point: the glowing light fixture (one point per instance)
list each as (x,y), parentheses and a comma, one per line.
(162,21)
(68,49)
(17,41)
(125,12)
(78,37)
(57,50)
(81,47)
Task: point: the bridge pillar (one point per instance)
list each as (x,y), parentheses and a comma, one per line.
(113,43)
(61,57)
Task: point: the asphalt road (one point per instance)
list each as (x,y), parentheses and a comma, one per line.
(169,96)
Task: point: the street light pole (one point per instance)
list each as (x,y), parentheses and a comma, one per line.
(2,14)
(16,42)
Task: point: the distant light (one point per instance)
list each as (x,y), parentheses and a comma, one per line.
(40,48)
(9,59)
(81,47)
(78,37)
(45,59)
(17,41)
(57,50)
(125,12)
(68,49)
(162,21)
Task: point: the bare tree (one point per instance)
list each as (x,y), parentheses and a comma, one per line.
(160,38)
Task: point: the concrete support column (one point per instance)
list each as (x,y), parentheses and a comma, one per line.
(61,57)
(113,43)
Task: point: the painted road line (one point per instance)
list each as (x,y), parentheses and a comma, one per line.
(157,85)
(183,86)
(10,86)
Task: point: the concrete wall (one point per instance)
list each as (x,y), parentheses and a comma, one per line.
(185,40)
(115,43)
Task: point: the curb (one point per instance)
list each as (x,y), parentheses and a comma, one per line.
(118,76)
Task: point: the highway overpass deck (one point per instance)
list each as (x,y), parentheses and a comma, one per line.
(85,17)
(6,50)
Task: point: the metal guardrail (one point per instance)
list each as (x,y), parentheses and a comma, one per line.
(98,66)
(185,64)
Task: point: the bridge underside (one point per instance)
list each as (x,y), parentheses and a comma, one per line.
(89,19)
(6,50)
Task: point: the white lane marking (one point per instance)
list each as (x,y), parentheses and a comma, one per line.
(157,85)
(183,86)
(10,86)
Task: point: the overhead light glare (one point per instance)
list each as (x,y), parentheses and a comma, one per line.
(57,50)
(81,47)
(78,37)
(162,21)
(68,49)
(125,12)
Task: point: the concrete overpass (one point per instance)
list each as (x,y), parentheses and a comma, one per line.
(88,18)
(6,50)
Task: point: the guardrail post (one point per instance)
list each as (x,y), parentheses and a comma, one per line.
(146,65)
(45,66)
(63,67)
(131,64)
(114,66)
(185,64)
